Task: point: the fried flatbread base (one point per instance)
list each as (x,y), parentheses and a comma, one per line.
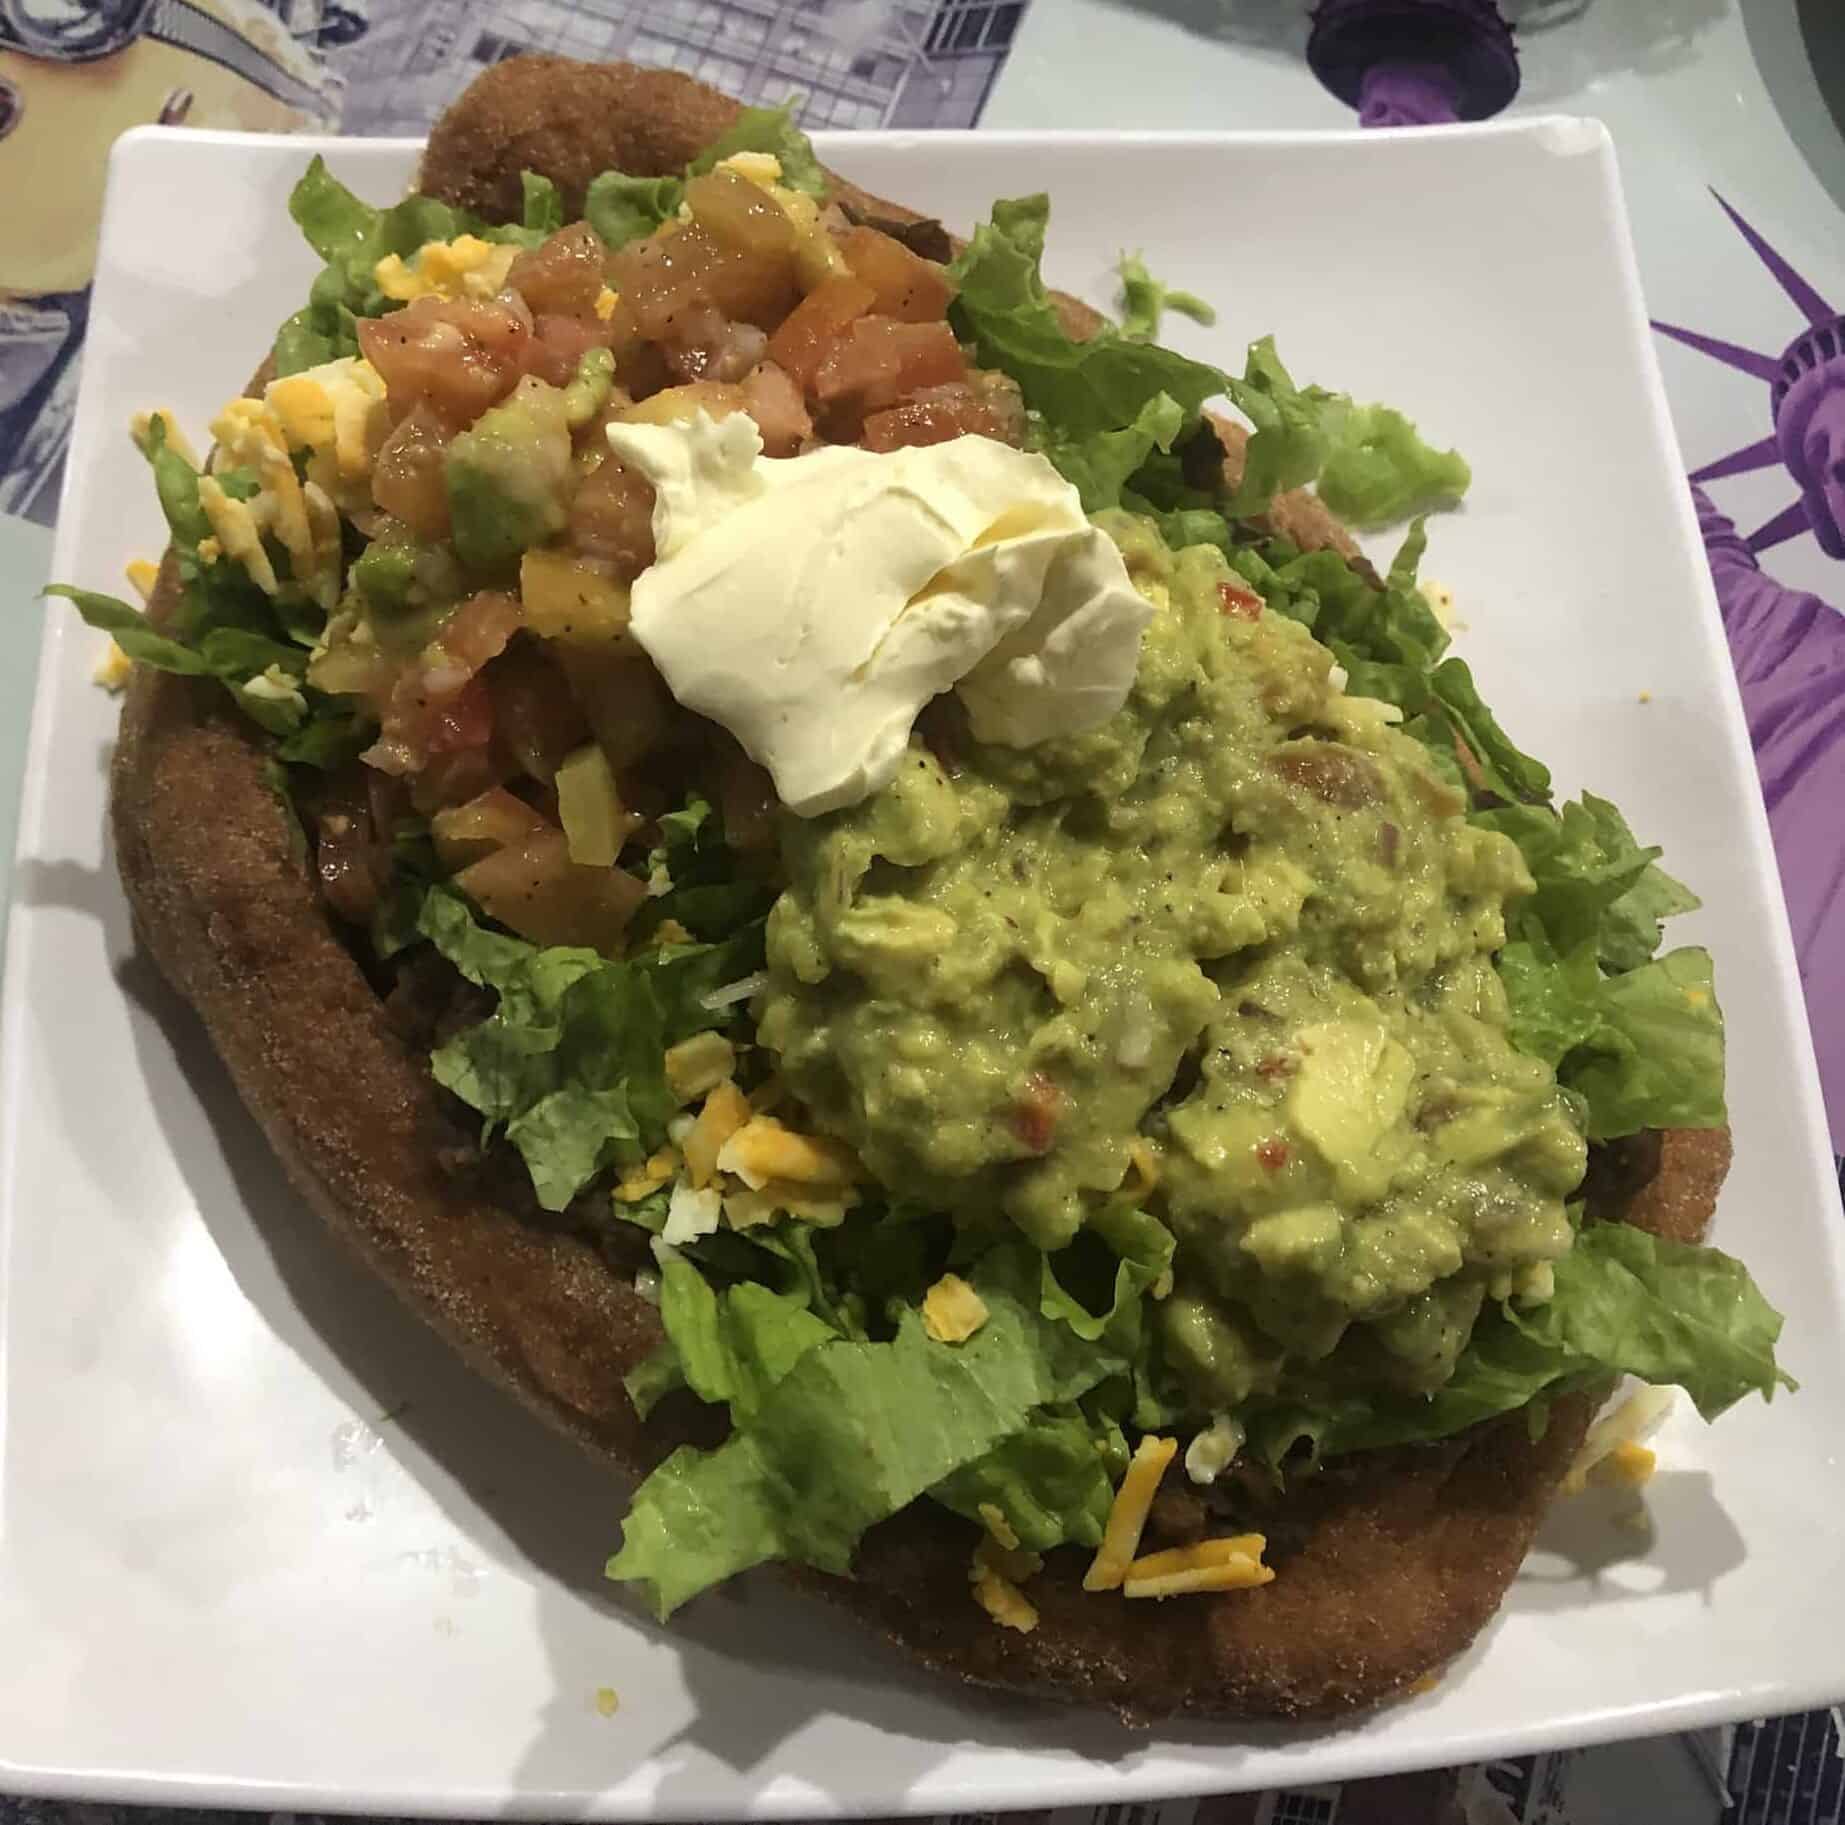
(1389,1564)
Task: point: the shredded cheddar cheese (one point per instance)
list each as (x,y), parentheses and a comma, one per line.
(725,1111)
(1627,1466)
(763,1150)
(113,669)
(995,1575)
(999,1529)
(1233,1564)
(699,1064)
(141,428)
(1143,1172)
(1622,1430)
(1127,1518)
(143,574)
(952,1311)
(644,1180)
(1004,1601)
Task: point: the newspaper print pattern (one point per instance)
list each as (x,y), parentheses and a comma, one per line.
(370,69)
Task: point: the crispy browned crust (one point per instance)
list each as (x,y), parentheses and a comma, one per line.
(1389,1564)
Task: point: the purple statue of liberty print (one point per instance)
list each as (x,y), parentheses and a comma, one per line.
(1788,646)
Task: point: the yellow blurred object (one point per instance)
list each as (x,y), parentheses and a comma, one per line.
(747,1206)
(113,669)
(300,515)
(995,1576)
(606,301)
(679,405)
(1232,1549)
(698,1065)
(952,1311)
(466,267)
(337,413)
(763,1150)
(644,1180)
(54,160)
(565,599)
(998,1527)
(589,806)
(1127,1518)
(1627,1466)
(1624,1428)
(761,168)
(817,256)
(143,574)
(1143,1172)
(140,428)
(237,533)
(1229,1575)
(726,1110)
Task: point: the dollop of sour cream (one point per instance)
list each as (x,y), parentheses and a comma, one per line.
(813,604)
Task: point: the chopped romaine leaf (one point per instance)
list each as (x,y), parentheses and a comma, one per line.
(1624,1303)
(623,209)
(768,130)
(1144,300)
(820,1460)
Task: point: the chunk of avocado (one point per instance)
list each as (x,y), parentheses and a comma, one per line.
(508,476)
(383,575)
(588,392)
(1348,1096)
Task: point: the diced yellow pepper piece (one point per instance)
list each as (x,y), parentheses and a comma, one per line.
(567,600)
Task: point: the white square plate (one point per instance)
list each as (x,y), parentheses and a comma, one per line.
(263,1543)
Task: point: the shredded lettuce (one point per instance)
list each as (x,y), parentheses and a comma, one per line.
(1145,299)
(1139,1249)
(1378,470)
(1625,1303)
(544,205)
(768,130)
(852,1433)
(706,888)
(1596,884)
(1080,388)
(733,1348)
(570,1065)
(223,626)
(1099,464)
(1053,1480)
(352,236)
(623,209)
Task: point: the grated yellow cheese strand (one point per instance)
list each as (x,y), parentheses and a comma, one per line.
(1127,1518)
(1232,1575)
(952,1311)
(1205,1552)
(995,1575)
(1004,1602)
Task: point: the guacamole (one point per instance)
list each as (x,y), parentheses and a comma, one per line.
(1230,955)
